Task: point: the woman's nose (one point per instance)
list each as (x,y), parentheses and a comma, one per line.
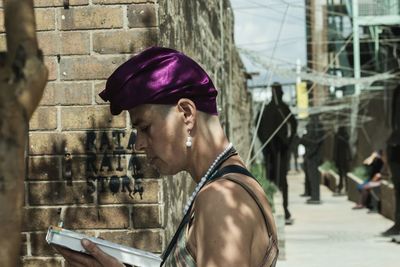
(140,143)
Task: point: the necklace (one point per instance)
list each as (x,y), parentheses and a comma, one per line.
(205,178)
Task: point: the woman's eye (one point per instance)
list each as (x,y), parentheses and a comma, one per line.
(145,129)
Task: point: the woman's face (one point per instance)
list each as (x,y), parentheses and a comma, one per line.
(162,134)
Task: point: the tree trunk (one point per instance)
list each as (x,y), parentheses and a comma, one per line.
(23,77)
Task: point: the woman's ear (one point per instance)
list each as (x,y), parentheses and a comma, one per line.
(188,109)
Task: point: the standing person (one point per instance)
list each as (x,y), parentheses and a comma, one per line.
(393,153)
(172,104)
(312,141)
(277,151)
(342,156)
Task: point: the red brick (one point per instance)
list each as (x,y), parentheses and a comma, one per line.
(94,117)
(124,41)
(142,15)
(44,118)
(39,219)
(44,168)
(57,193)
(150,195)
(146,216)
(116,217)
(146,240)
(89,67)
(91,18)
(64,43)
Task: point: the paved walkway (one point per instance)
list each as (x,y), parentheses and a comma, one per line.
(333,235)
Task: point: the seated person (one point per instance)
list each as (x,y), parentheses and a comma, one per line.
(374,163)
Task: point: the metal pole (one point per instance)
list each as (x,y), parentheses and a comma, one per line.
(357,75)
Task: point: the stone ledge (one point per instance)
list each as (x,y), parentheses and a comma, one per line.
(330,179)
(352,182)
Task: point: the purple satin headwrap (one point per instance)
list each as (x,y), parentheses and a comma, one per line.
(159,76)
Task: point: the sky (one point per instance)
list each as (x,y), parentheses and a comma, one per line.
(274,30)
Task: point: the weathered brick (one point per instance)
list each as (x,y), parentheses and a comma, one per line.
(44,168)
(56,193)
(42,262)
(142,15)
(56,143)
(39,219)
(91,18)
(73,93)
(146,240)
(90,67)
(75,142)
(109,141)
(48,98)
(40,248)
(64,43)
(111,2)
(73,118)
(150,195)
(98,87)
(3,42)
(91,166)
(97,217)
(2,29)
(142,167)
(44,118)
(24,244)
(124,41)
(45,19)
(52,66)
(57,3)
(67,93)
(146,217)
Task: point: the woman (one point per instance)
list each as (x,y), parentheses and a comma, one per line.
(172,104)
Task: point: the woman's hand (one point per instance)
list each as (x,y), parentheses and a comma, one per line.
(97,257)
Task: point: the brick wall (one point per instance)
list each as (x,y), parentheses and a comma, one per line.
(81,162)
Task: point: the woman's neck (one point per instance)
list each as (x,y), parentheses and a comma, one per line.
(206,148)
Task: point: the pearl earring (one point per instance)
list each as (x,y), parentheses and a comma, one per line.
(189,141)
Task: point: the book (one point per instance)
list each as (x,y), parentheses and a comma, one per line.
(72,240)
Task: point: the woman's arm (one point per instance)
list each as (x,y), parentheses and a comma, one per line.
(224,226)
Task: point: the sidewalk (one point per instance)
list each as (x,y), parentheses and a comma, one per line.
(333,235)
